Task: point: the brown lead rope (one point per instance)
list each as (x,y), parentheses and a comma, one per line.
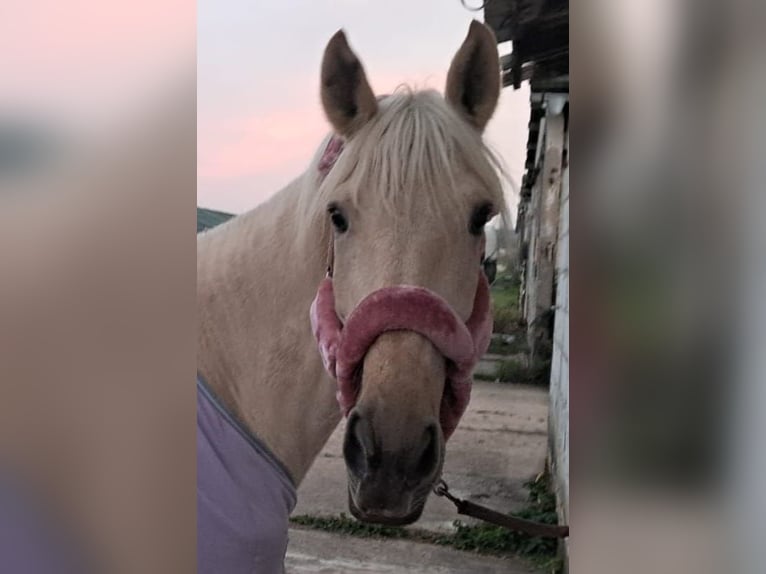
(468,508)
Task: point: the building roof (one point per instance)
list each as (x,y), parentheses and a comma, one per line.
(539,30)
(208,218)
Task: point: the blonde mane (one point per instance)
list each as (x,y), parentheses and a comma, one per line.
(415,142)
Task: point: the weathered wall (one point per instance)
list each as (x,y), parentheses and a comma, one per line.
(530,275)
(545,232)
(541,232)
(558,421)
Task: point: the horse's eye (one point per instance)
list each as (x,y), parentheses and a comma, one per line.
(481,214)
(338,219)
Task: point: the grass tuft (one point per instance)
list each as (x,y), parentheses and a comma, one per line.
(515,371)
(498,346)
(343,524)
(505,304)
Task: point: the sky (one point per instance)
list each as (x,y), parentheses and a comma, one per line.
(259,118)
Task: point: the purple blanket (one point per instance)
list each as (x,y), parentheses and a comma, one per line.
(244,496)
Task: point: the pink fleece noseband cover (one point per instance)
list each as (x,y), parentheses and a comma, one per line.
(403,307)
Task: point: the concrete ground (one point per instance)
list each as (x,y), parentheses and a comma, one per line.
(500,444)
(313,552)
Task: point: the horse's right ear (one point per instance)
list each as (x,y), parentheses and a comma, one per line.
(347,98)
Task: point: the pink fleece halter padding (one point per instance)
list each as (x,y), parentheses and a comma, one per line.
(330,156)
(408,308)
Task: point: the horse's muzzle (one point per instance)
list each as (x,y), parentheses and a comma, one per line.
(390,487)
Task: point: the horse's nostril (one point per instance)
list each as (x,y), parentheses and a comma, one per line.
(358,445)
(429,458)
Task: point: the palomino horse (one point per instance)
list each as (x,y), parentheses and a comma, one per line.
(394,204)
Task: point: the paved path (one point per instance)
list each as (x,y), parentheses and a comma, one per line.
(499,445)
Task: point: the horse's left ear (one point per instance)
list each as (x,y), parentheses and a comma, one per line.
(347,97)
(473,80)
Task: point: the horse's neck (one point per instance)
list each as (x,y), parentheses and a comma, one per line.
(256,279)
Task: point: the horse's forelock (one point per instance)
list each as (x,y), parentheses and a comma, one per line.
(416,142)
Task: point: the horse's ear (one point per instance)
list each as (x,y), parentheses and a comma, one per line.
(473,80)
(347,97)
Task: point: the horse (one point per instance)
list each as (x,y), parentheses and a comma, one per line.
(359,283)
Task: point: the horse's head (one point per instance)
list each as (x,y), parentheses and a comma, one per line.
(407,201)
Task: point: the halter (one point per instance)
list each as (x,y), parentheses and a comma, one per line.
(343,346)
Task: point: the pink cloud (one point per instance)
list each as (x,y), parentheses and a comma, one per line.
(278,139)
(265,142)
